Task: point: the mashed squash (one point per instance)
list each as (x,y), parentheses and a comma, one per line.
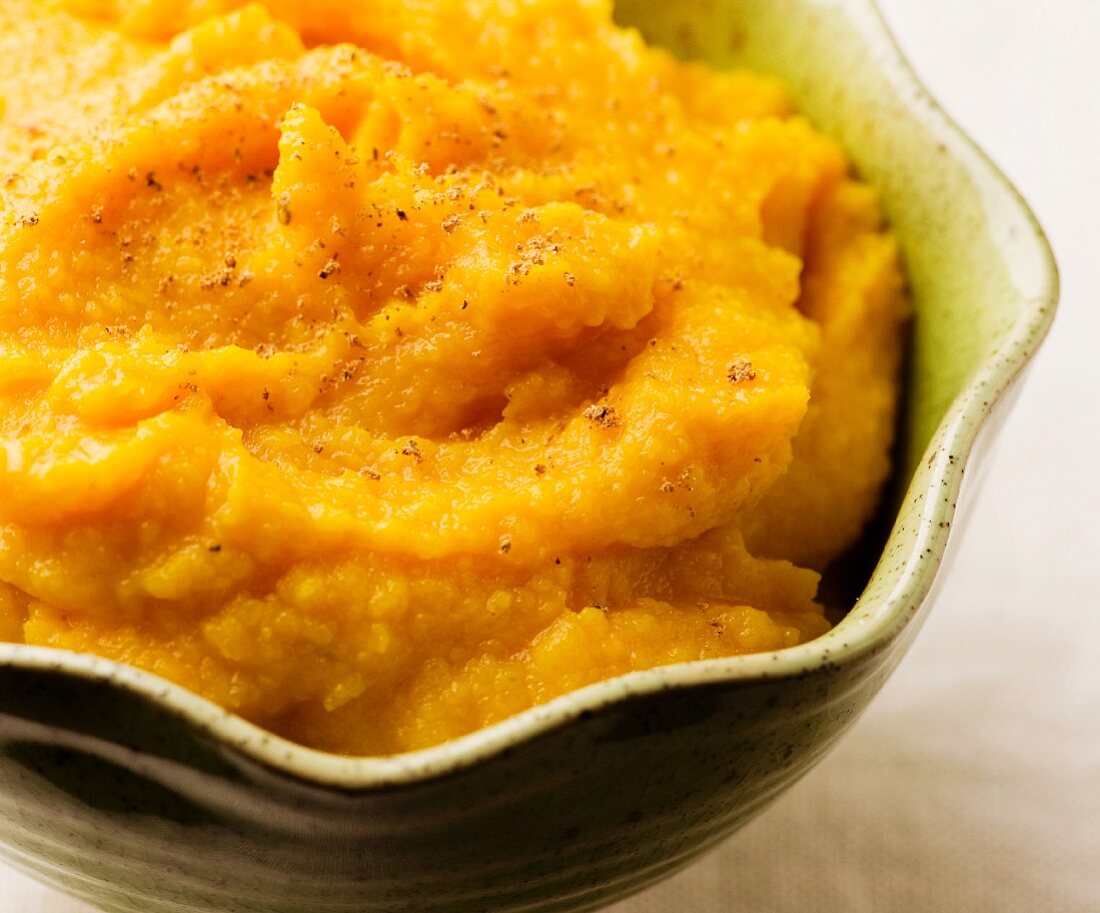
(379,369)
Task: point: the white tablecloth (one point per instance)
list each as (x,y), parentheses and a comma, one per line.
(972,785)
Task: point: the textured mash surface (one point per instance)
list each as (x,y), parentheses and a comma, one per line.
(381,369)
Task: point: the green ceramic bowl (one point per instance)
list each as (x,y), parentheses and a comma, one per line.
(133,794)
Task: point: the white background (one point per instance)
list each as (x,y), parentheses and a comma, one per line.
(972,785)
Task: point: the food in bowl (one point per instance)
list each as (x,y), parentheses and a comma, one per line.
(381,370)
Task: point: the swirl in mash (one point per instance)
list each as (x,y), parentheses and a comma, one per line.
(379,370)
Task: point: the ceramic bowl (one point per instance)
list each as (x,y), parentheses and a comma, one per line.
(137,796)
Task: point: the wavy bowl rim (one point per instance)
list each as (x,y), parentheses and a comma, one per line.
(871,628)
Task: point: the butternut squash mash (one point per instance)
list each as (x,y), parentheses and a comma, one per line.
(379,369)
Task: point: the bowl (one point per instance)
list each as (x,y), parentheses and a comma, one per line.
(135,795)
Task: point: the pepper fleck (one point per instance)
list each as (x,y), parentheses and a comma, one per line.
(282,209)
(740,369)
(602,415)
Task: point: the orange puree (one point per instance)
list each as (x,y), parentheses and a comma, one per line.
(380,369)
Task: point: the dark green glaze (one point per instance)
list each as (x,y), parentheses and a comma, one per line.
(128,800)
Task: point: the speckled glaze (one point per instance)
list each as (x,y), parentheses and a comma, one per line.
(137,796)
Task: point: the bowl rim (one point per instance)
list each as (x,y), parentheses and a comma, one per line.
(877,622)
